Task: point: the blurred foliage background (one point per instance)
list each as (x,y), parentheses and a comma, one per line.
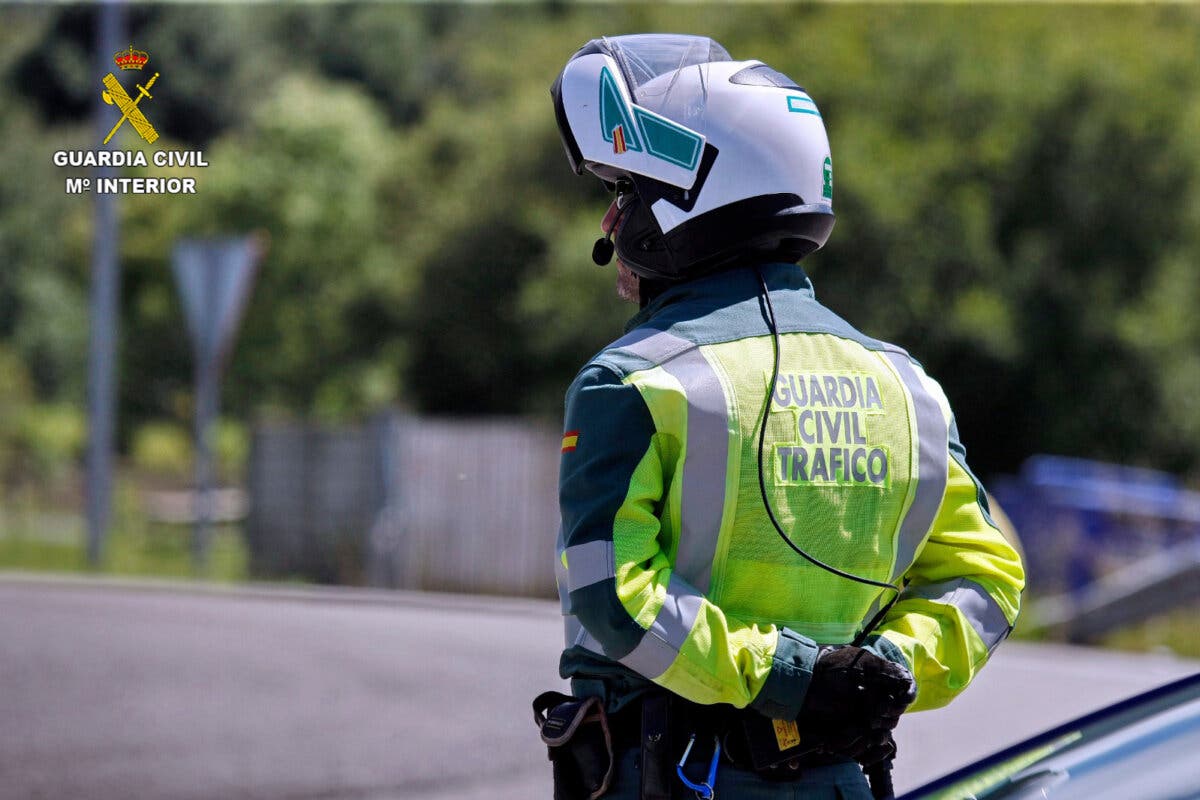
(1017,191)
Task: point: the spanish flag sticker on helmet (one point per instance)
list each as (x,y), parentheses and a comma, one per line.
(570,439)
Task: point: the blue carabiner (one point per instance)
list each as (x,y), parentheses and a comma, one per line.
(706,790)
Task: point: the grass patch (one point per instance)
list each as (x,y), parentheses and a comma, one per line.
(1176,631)
(43,532)
(148,550)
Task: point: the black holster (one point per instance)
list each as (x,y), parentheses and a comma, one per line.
(579,744)
(657,745)
(667,723)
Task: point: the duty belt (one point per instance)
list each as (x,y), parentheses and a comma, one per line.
(670,721)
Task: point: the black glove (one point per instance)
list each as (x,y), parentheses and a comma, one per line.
(854,701)
(876,747)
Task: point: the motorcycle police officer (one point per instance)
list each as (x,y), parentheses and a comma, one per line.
(771,543)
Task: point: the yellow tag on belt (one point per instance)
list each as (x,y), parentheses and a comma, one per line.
(786,733)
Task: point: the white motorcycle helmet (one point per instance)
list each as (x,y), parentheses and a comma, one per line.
(714,160)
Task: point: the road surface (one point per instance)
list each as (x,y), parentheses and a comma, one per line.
(124,691)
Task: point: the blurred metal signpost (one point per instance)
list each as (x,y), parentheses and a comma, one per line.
(105,311)
(214,277)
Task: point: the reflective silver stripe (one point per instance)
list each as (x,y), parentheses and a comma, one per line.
(656,353)
(575,635)
(572,629)
(702,494)
(933,437)
(660,644)
(560,573)
(973,601)
(589,563)
(703,490)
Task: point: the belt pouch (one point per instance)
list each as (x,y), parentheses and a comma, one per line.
(575,731)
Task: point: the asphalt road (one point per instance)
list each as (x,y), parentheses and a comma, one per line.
(143,691)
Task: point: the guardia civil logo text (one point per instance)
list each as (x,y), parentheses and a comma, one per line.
(131,102)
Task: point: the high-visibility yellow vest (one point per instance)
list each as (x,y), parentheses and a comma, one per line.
(671,572)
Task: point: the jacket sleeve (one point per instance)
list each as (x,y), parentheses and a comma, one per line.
(963,592)
(615,471)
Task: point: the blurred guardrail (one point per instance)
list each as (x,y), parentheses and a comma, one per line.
(1147,587)
(405,502)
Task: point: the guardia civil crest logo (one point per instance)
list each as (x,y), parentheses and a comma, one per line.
(115,95)
(131,99)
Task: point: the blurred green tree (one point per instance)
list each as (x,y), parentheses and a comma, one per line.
(1017,207)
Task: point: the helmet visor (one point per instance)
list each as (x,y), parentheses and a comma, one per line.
(646,56)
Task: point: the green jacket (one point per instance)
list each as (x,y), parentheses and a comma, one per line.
(669,569)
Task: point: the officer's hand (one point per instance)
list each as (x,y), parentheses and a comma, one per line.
(865,747)
(855,696)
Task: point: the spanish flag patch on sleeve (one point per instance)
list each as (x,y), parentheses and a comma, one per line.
(570,439)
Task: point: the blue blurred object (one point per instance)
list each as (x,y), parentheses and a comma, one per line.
(1080,519)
